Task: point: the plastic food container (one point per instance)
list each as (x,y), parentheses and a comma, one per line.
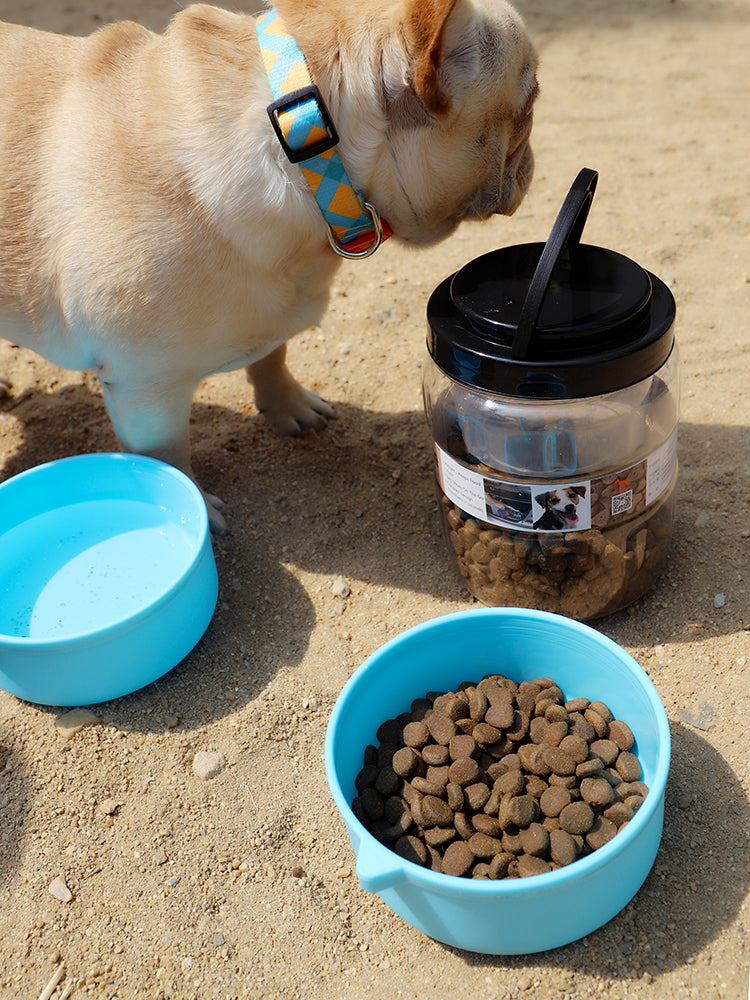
(516,916)
(552,394)
(107,577)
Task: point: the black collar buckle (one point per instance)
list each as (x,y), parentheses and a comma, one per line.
(287,102)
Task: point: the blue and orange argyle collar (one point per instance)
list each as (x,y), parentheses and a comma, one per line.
(308,137)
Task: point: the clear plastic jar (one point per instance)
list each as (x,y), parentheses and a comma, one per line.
(565,506)
(552,392)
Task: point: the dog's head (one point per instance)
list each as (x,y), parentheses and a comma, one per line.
(563,502)
(433,102)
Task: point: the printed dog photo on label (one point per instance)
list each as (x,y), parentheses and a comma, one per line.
(565,508)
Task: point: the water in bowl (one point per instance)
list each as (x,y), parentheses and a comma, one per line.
(87,566)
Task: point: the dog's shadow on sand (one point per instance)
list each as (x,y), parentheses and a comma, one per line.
(695,889)
(358,501)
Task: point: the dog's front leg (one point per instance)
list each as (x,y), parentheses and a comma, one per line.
(153,419)
(287,406)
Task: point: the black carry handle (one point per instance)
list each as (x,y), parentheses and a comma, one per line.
(566,231)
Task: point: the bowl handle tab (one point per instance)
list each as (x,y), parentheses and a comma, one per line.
(375,870)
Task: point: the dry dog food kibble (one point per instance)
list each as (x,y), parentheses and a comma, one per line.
(499,779)
(581,574)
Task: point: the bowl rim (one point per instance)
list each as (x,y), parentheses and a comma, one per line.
(200,520)
(396,870)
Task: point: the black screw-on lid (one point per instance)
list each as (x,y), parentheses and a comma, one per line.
(555,320)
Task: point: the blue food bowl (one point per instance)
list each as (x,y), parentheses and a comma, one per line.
(107,577)
(513,916)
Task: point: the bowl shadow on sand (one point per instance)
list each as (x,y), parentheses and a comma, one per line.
(14,781)
(356,500)
(695,889)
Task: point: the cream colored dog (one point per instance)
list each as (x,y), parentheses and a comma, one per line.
(152,229)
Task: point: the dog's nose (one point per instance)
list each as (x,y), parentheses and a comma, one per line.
(570,508)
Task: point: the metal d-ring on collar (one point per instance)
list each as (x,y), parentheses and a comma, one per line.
(377,238)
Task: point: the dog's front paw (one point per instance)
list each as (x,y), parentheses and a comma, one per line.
(214,506)
(295,409)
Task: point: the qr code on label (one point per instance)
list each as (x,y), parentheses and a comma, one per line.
(622,502)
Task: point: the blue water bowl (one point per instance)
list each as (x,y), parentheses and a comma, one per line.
(107,577)
(513,916)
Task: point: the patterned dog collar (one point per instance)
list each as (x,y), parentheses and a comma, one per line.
(308,137)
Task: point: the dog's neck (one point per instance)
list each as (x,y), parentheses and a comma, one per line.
(308,137)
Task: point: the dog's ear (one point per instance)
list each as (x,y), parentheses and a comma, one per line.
(431,57)
(426,21)
(542,499)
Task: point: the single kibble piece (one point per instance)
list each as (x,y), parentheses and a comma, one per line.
(606,750)
(407,762)
(486,735)
(441,729)
(464,826)
(458,858)
(523,809)
(483,846)
(518,728)
(366,777)
(577,817)
(372,802)
(535,839)
(601,709)
(600,726)
(562,847)
(500,715)
(510,783)
(590,767)
(487,824)
(455,796)
(439,776)
(498,867)
(627,766)
(602,830)
(416,734)
(435,754)
(553,800)
(530,865)
(437,836)
(476,795)
(597,792)
(412,849)
(478,705)
(464,771)
(559,761)
(621,734)
(436,811)
(390,731)
(577,705)
(462,746)
(577,747)
(618,813)
(426,787)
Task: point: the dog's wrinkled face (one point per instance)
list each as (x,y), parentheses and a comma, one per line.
(457,136)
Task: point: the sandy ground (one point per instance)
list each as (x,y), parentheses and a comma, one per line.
(184,888)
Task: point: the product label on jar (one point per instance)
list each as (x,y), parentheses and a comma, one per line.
(570,505)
